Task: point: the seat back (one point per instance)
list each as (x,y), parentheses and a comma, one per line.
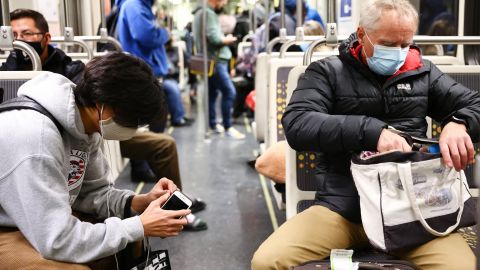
(261,95)
(300,176)
(278,79)
(10,81)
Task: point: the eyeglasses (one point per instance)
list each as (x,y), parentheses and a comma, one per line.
(26,35)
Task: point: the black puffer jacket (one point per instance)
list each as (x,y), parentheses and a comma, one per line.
(57,62)
(340,107)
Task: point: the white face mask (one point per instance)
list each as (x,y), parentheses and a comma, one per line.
(113,131)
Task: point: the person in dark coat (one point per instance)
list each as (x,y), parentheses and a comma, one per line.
(31,27)
(344,104)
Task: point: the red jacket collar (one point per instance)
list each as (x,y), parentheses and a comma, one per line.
(412,62)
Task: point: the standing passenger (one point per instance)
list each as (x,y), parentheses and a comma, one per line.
(344,104)
(217,47)
(139,35)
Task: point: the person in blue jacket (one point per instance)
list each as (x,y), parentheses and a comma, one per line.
(139,35)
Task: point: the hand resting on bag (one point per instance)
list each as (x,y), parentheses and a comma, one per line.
(390,141)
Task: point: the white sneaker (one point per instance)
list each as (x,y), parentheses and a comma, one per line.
(233,133)
(217,130)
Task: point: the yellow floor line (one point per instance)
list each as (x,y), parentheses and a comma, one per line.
(170,130)
(247,124)
(139,187)
(268,199)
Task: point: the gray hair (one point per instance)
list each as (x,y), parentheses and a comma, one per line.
(371,12)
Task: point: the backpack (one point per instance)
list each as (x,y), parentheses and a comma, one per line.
(111,25)
(26,103)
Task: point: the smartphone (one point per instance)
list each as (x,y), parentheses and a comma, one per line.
(177,201)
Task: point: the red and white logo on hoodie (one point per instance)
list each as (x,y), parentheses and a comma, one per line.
(77,168)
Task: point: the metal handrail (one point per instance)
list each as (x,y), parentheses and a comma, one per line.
(307,57)
(289,43)
(276,41)
(75,40)
(36,62)
(248,36)
(433,40)
(107,39)
(423,40)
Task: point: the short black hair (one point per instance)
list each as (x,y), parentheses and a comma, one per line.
(124,82)
(37,17)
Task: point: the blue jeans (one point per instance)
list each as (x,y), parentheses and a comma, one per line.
(174,102)
(221,82)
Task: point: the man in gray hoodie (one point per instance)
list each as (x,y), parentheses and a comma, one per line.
(48,171)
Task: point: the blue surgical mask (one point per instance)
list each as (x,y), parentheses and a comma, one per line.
(386,60)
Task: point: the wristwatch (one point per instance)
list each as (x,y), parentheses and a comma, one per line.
(458,121)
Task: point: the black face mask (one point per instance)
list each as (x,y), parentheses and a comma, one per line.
(36,45)
(23,60)
(218,10)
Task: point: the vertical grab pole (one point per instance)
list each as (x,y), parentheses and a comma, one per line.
(68,31)
(5,13)
(331,34)
(282,14)
(103,29)
(205,67)
(250,20)
(102,13)
(299,13)
(253,22)
(267,25)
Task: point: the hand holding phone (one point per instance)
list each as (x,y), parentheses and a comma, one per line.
(159,223)
(177,201)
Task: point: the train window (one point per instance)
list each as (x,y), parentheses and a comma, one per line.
(438,18)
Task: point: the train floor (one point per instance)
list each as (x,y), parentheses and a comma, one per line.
(241,211)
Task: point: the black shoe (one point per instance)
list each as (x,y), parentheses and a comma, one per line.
(197,205)
(184,122)
(143,176)
(197,224)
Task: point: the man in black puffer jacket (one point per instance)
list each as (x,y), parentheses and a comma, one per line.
(32,28)
(343,104)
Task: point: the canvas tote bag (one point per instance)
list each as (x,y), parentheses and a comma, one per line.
(409,198)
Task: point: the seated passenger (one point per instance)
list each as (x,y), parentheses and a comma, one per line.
(38,230)
(343,104)
(159,150)
(32,28)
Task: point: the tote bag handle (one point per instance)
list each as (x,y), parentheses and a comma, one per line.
(405,173)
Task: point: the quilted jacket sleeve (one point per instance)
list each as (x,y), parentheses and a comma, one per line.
(449,98)
(310,125)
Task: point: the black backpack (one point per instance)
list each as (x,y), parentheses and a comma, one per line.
(111,24)
(26,103)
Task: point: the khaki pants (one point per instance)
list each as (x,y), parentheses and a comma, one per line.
(159,150)
(17,253)
(314,232)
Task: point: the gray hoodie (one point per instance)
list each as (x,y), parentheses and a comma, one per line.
(45,174)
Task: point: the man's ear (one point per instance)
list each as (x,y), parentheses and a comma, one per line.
(48,38)
(360,34)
